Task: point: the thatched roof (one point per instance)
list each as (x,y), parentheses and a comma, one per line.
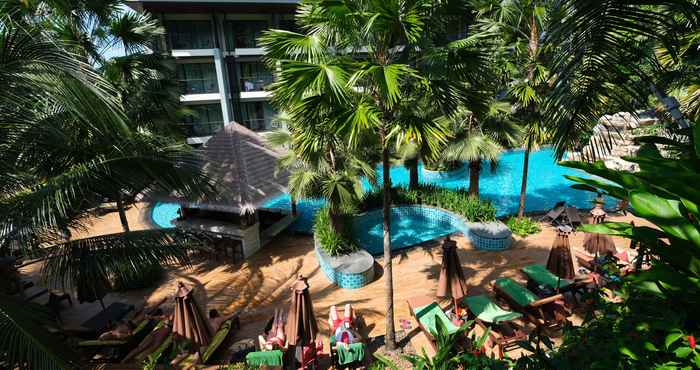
(245,165)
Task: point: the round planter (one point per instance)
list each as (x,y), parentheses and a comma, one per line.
(350,271)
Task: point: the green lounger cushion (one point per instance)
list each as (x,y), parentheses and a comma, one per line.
(542,276)
(429,315)
(216,341)
(264,358)
(484,309)
(355,352)
(516,292)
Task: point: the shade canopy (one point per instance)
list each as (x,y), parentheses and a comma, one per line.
(301,326)
(188,321)
(560,261)
(245,167)
(451,283)
(599,244)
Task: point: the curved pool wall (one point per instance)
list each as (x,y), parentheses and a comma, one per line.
(410,225)
(546,186)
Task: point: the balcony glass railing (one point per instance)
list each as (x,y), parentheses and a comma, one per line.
(258,124)
(256,82)
(202,128)
(199,86)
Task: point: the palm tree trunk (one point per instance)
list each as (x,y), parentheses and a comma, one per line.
(122,213)
(389,338)
(474,173)
(413,174)
(523,187)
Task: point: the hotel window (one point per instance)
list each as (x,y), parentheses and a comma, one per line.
(288,24)
(203,120)
(197,78)
(254,76)
(244,34)
(190,34)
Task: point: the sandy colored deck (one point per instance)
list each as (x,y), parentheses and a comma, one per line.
(261,284)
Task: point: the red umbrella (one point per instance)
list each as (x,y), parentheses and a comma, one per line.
(451,283)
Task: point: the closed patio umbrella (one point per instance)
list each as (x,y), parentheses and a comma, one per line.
(451,283)
(596,243)
(188,321)
(560,262)
(301,326)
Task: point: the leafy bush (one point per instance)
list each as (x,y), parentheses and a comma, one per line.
(331,241)
(458,201)
(523,226)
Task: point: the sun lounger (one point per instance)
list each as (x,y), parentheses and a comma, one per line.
(554,214)
(428,313)
(216,341)
(268,359)
(543,277)
(118,348)
(540,311)
(113,313)
(345,355)
(504,333)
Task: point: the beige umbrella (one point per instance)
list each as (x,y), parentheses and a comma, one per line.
(451,283)
(301,326)
(188,321)
(560,261)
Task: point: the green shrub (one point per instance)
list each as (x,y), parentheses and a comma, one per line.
(457,201)
(523,226)
(331,241)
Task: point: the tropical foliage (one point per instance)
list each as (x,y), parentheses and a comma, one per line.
(523,226)
(652,322)
(331,240)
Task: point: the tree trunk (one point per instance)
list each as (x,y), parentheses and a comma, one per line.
(122,213)
(389,339)
(474,173)
(294,206)
(523,187)
(413,174)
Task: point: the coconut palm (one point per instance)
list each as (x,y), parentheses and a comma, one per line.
(353,59)
(66,145)
(601,61)
(479,138)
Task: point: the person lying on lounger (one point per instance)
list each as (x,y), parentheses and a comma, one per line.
(275,338)
(216,320)
(122,330)
(343,329)
(151,342)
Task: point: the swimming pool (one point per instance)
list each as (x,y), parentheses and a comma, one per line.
(162,214)
(546,186)
(410,225)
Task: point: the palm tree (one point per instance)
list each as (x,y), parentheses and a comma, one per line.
(520,25)
(66,144)
(602,61)
(350,64)
(480,139)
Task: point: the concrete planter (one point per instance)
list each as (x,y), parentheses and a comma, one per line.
(350,271)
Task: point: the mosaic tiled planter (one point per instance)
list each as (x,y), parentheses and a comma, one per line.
(351,271)
(492,236)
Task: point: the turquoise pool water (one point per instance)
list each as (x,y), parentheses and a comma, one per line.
(410,225)
(163,214)
(546,186)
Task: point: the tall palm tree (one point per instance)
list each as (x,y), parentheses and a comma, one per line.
(479,138)
(353,59)
(520,25)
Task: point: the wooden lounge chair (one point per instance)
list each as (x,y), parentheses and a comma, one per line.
(505,333)
(214,345)
(427,313)
(554,214)
(540,311)
(118,348)
(541,276)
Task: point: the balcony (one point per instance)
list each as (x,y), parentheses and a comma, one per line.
(256,82)
(202,128)
(199,86)
(259,124)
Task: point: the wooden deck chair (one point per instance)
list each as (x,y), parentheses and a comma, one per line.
(427,313)
(541,276)
(554,214)
(506,331)
(543,312)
